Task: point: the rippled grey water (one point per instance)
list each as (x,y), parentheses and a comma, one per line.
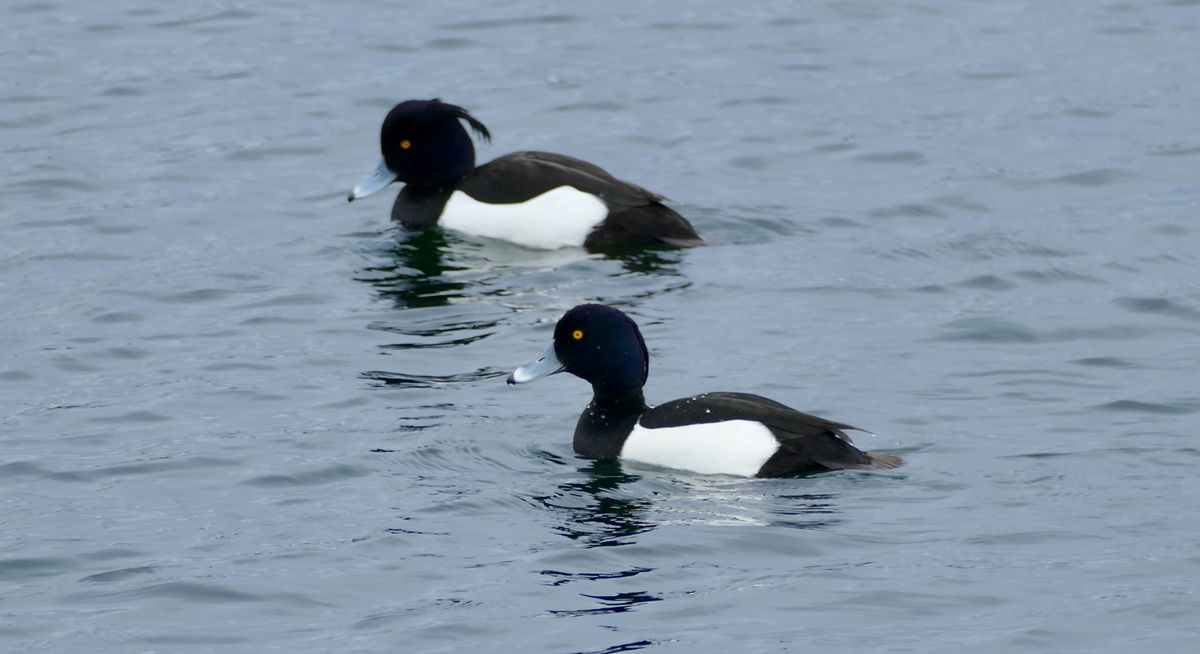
(242,415)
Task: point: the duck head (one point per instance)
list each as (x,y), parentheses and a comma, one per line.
(598,344)
(424,144)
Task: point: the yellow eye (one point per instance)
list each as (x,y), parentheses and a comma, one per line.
(577,334)
(405,144)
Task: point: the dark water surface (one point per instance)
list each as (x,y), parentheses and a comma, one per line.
(242,415)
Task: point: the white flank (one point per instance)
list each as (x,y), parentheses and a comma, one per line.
(561,217)
(733,447)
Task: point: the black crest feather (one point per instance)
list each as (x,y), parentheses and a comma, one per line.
(479,128)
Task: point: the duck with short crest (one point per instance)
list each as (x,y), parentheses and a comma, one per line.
(712,433)
(538,200)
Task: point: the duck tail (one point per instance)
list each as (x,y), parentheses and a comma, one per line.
(881,461)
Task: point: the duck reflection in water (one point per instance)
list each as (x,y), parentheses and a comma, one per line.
(597,515)
(433,268)
(596,512)
(416,272)
(600,510)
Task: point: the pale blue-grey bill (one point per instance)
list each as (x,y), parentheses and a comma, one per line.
(543,366)
(373,182)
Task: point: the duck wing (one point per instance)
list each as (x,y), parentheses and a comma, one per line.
(518,176)
(805,441)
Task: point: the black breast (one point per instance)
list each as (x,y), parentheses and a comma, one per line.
(601,431)
(418,206)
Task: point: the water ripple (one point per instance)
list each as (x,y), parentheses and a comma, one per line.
(23,569)
(118,575)
(191,592)
(408,380)
(327,475)
(1157,305)
(561,577)
(226,15)
(999,330)
(31,469)
(1098,177)
(546,19)
(987,283)
(631,646)
(617,603)
(1106,362)
(1182,407)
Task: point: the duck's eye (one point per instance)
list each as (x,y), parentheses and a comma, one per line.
(577,334)
(405,144)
